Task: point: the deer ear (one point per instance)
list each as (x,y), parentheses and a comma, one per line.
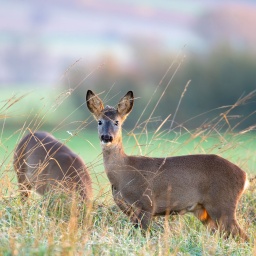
(125,105)
(94,103)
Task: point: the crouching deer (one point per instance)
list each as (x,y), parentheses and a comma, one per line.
(43,163)
(208,186)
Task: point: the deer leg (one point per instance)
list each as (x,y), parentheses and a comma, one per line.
(226,220)
(128,210)
(24,185)
(228,225)
(237,231)
(143,218)
(205,218)
(137,216)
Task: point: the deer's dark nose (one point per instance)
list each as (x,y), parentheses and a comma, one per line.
(106,138)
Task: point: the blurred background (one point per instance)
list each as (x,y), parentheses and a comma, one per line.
(52,52)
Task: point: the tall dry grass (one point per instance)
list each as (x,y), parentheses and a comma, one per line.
(59,224)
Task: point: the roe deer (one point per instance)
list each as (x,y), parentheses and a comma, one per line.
(43,163)
(208,186)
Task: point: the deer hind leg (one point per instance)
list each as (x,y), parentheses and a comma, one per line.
(229,226)
(237,231)
(205,218)
(226,221)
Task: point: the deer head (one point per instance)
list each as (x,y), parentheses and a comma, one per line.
(109,119)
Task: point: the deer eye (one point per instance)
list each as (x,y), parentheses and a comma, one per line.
(116,123)
(99,122)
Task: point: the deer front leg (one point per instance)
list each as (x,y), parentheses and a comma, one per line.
(126,209)
(120,202)
(137,216)
(142,218)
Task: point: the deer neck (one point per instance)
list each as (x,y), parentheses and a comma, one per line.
(113,156)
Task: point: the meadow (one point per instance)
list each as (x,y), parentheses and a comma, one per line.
(57,224)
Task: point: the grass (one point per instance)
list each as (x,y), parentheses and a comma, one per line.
(34,229)
(59,225)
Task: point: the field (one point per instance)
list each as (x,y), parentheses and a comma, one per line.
(58,225)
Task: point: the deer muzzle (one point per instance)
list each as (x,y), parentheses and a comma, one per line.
(106,138)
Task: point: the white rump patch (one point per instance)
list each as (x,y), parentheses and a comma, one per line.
(247,184)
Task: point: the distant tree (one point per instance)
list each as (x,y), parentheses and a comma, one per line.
(217,79)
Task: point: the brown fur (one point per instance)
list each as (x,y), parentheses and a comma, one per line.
(43,163)
(208,186)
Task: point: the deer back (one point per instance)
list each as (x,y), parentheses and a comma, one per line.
(42,162)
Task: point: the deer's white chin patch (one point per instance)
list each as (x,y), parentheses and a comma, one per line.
(106,144)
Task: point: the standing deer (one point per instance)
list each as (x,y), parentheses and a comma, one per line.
(208,186)
(43,163)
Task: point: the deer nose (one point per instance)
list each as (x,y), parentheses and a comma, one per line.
(106,138)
